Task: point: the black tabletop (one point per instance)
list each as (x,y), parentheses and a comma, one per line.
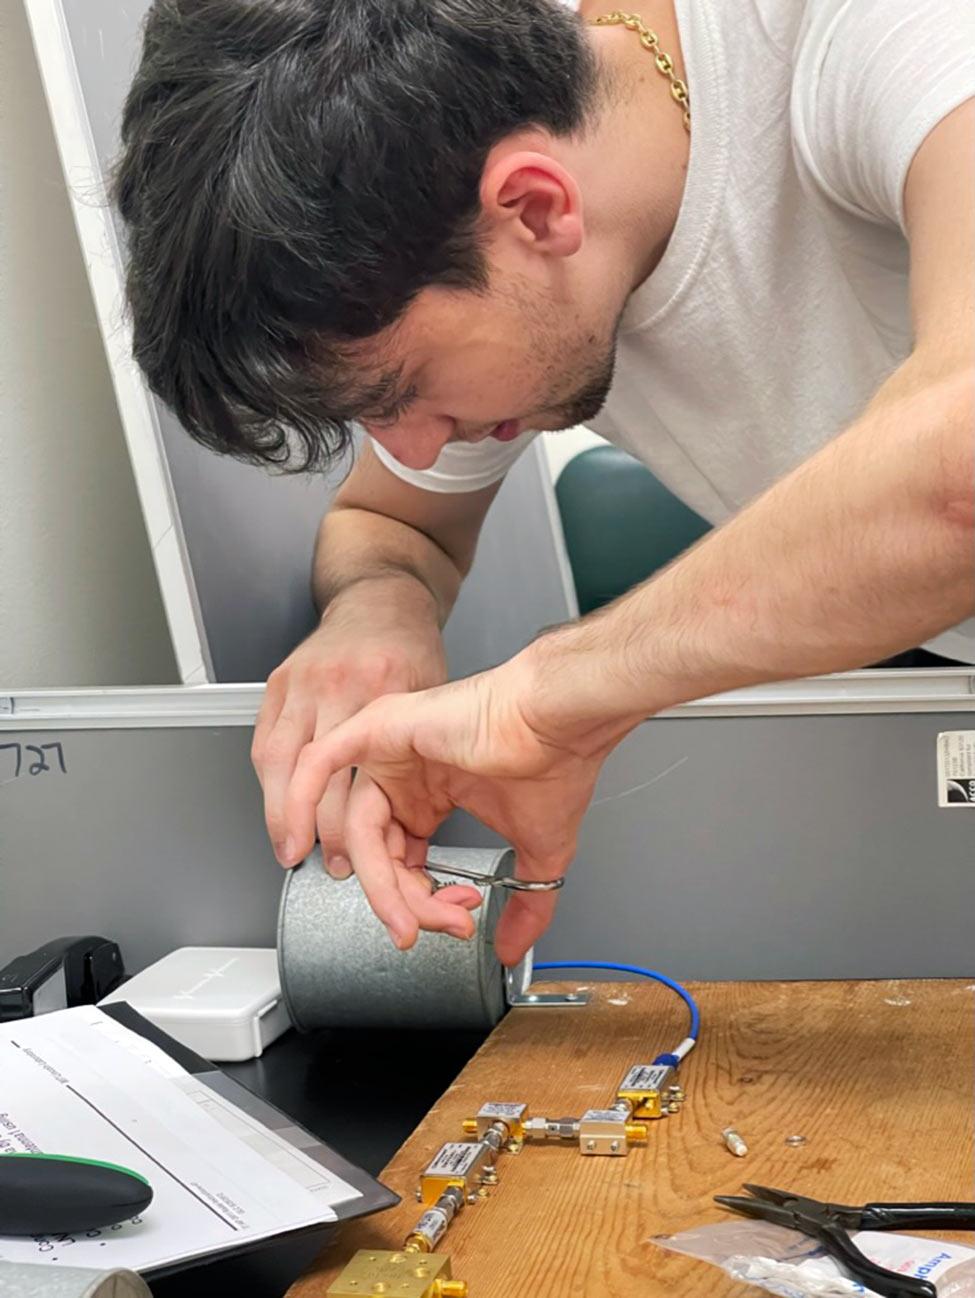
(362,1093)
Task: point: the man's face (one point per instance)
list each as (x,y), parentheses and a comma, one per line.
(522,355)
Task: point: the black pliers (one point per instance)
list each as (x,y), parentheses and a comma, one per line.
(830,1222)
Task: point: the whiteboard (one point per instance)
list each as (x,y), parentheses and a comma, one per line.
(232,543)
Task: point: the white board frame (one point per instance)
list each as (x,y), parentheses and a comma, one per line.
(871,691)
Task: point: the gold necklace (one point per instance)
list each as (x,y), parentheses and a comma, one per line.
(649,41)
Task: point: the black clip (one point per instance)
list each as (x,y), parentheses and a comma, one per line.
(66,972)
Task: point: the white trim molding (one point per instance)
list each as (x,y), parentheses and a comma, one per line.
(873,691)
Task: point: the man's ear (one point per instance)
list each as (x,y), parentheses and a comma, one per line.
(533,196)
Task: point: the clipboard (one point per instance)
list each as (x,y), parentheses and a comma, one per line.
(316,1187)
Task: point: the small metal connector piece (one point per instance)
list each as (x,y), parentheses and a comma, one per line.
(606,1131)
(401,1275)
(734,1142)
(432,1226)
(511,1115)
(552,1129)
(647,1088)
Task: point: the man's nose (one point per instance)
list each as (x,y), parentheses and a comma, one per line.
(414,440)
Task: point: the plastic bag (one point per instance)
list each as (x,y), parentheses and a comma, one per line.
(790,1264)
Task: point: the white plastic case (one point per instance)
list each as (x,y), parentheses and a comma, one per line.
(223,1002)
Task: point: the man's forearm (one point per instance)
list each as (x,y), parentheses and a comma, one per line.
(357,546)
(865,550)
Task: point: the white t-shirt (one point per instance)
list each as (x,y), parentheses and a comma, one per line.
(781,303)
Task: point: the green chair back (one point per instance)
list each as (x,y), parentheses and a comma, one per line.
(621,524)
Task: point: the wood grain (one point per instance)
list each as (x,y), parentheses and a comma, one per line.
(878,1076)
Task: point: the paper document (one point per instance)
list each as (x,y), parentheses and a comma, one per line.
(77,1083)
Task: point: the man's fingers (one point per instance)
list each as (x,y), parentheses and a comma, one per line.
(526,917)
(402,898)
(367,825)
(460,894)
(395,838)
(416,851)
(416,802)
(318,763)
(270,710)
(330,818)
(278,757)
(445,911)
(528,914)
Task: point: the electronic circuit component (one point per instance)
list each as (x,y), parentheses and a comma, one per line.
(650,1091)
(512,1115)
(607,1132)
(463,1164)
(462,1172)
(405,1274)
(432,1226)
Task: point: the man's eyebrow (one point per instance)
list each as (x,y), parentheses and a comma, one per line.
(386,392)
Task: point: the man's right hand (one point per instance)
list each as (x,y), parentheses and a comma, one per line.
(389,562)
(379,636)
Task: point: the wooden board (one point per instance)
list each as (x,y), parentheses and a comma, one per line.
(876,1075)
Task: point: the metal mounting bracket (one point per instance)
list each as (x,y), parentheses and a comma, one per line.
(517,985)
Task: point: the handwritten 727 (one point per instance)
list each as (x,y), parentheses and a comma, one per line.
(43,755)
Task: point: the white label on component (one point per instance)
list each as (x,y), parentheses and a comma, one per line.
(956,768)
(432,1225)
(456,1158)
(603,1115)
(645,1077)
(508,1112)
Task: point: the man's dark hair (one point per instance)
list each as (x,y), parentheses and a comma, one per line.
(295,172)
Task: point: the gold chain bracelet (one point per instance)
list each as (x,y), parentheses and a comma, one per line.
(649,41)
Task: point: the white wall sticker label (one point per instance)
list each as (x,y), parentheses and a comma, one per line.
(956,768)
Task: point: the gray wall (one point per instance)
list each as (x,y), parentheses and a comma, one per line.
(793,847)
(79,604)
(777,848)
(153,837)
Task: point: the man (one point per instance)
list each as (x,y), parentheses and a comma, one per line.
(462,221)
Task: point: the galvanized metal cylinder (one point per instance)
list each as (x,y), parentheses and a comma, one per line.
(339,968)
(38,1281)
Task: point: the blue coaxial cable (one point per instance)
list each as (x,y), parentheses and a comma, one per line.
(687,1045)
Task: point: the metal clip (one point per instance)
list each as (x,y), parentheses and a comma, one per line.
(496,881)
